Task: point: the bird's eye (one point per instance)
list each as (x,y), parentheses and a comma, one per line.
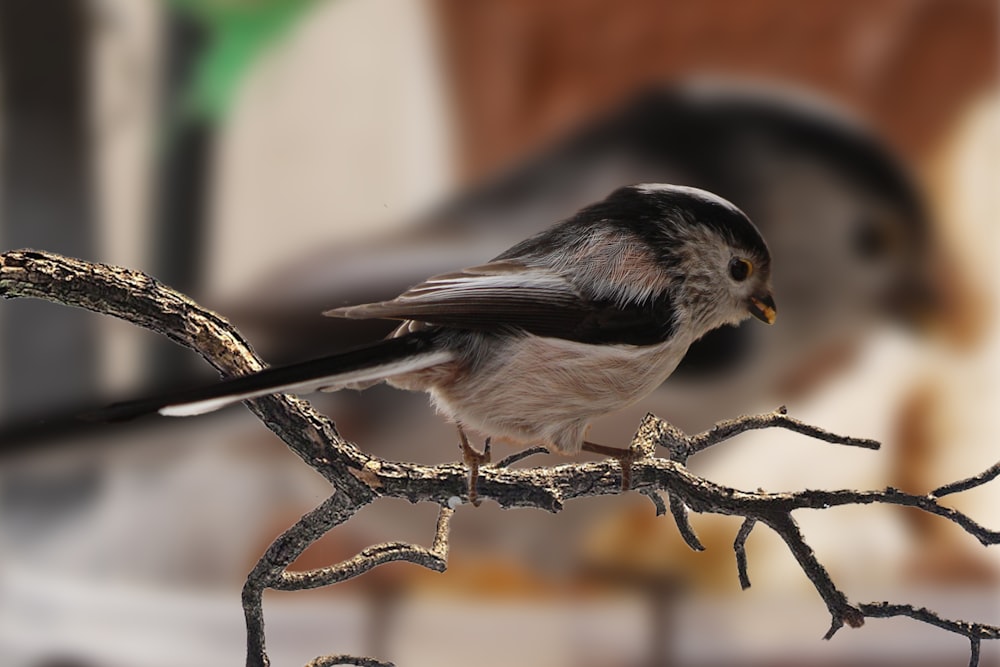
(740,269)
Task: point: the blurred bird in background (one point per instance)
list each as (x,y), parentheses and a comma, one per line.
(847,225)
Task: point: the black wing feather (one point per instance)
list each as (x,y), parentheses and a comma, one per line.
(506,296)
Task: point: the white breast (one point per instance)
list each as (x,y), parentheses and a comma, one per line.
(546,390)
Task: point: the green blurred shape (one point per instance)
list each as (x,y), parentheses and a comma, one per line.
(238,32)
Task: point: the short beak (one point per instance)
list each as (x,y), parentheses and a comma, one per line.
(762,307)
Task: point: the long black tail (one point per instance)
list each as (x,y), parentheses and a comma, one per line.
(392,356)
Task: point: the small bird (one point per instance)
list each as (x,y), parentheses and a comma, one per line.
(575,322)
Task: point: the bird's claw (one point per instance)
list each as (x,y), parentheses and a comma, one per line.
(625,457)
(473,460)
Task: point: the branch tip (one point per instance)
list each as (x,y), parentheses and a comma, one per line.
(851,616)
(968,483)
(835,625)
(656,499)
(740,548)
(680,513)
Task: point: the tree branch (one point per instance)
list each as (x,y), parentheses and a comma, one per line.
(358,477)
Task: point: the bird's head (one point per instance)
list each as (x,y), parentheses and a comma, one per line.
(719,264)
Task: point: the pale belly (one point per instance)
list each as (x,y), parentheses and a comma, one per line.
(547,390)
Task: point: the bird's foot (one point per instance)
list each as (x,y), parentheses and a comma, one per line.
(626,457)
(473,460)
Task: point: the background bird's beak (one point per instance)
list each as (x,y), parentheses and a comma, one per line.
(762,307)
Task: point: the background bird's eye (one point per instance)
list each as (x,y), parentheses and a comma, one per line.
(871,238)
(740,269)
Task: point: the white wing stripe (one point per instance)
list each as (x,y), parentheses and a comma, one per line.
(455,288)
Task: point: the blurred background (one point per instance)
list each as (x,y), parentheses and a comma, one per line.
(275,158)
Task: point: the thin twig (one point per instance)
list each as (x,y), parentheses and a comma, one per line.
(367,559)
(974,632)
(680,513)
(779,418)
(924,615)
(508,461)
(987,475)
(740,547)
(656,499)
(333,660)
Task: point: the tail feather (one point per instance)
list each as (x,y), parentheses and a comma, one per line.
(393,356)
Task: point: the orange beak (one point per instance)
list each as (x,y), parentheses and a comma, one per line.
(762,307)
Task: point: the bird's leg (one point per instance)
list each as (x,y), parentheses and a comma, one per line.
(473,460)
(624,456)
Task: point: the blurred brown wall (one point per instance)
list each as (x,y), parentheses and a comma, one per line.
(522,70)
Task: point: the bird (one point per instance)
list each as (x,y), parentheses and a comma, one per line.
(579,320)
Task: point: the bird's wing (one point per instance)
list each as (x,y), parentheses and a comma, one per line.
(508,295)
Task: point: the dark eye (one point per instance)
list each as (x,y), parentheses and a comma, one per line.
(740,269)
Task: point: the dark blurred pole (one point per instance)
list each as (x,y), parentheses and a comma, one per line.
(183,188)
(47,352)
